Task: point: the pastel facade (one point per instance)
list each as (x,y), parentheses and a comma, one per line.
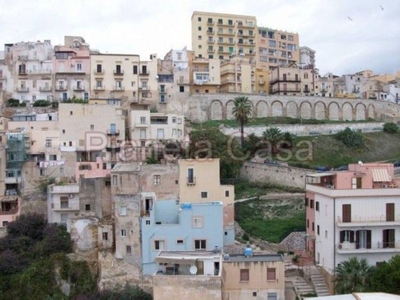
(205,74)
(238,75)
(292,80)
(353,213)
(174,226)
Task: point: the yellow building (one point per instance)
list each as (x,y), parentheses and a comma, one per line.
(204,74)
(277,48)
(291,80)
(218,35)
(238,75)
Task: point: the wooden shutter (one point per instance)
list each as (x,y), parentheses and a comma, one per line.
(384,238)
(389,212)
(342,236)
(390,238)
(357,239)
(351,236)
(346,212)
(368,239)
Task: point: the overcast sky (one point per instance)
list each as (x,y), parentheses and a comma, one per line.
(370,40)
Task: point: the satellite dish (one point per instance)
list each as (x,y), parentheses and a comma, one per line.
(193,270)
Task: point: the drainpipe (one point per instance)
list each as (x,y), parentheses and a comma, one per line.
(334,239)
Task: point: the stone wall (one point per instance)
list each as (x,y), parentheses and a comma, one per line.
(306,130)
(279,175)
(219,107)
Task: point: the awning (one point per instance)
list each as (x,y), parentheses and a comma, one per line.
(380,175)
(176,260)
(316,175)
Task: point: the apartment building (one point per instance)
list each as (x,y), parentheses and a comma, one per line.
(353,213)
(391,92)
(175,226)
(307,57)
(71,64)
(327,85)
(238,75)
(30,70)
(292,80)
(199,182)
(277,48)
(253,276)
(217,35)
(205,74)
(180,66)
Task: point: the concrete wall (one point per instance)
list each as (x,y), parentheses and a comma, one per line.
(306,130)
(187,287)
(279,175)
(216,107)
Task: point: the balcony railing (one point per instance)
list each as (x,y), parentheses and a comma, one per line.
(191,180)
(22,73)
(113,148)
(65,207)
(44,72)
(261,82)
(368,247)
(61,88)
(145,73)
(45,89)
(99,88)
(144,88)
(370,220)
(98,72)
(12,211)
(118,88)
(23,90)
(113,132)
(79,88)
(118,72)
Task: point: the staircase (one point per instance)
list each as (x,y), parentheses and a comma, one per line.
(302,287)
(319,283)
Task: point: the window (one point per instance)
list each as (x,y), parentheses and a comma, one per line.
(204,195)
(272,296)
(346,212)
(99,84)
(48,143)
(159,245)
(318,229)
(122,211)
(128,249)
(64,202)
(347,236)
(105,236)
(87,207)
(312,227)
(190,178)
(271,274)
(326,233)
(123,232)
(98,68)
(254,294)
(181,89)
(389,212)
(226,193)
(305,75)
(5,223)
(135,69)
(311,204)
(199,19)
(197,222)
(160,134)
(115,180)
(148,222)
(363,239)
(356,183)
(91,127)
(200,245)
(79,67)
(308,223)
(316,205)
(179,241)
(244,275)
(306,202)
(157,179)
(388,238)
(64,218)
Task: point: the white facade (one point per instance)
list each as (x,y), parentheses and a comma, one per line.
(391,93)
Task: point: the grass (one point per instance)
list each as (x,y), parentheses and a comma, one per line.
(269,121)
(271,220)
(245,189)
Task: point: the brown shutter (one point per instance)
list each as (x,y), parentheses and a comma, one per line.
(346,212)
(368,239)
(391,238)
(351,236)
(357,239)
(384,238)
(389,212)
(341,236)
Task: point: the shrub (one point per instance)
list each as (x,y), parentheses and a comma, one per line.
(351,138)
(29,225)
(245,237)
(41,103)
(390,127)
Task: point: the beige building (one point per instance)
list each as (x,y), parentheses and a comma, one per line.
(292,80)
(253,277)
(238,75)
(204,74)
(277,48)
(199,181)
(216,35)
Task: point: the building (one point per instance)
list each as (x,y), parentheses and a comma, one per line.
(205,74)
(199,182)
(31,68)
(216,35)
(307,57)
(291,80)
(277,48)
(249,276)
(71,64)
(238,75)
(188,275)
(175,226)
(326,86)
(391,92)
(353,213)
(62,203)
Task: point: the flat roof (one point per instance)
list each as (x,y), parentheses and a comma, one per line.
(321,174)
(126,167)
(254,258)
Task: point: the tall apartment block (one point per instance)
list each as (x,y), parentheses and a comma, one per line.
(216,35)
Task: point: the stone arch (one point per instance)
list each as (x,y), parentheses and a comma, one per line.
(216,111)
(320,110)
(361,112)
(291,109)
(333,110)
(305,110)
(371,111)
(262,109)
(347,111)
(229,107)
(277,108)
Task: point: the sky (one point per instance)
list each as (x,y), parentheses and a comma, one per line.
(347,35)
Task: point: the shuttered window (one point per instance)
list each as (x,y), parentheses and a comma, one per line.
(389,212)
(346,212)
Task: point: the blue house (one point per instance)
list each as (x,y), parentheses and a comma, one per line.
(180,227)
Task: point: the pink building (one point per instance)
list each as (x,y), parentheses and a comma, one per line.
(90,169)
(10,209)
(353,213)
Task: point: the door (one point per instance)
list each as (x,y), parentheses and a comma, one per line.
(112,128)
(388,238)
(346,212)
(389,212)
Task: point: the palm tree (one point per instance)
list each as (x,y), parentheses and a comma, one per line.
(241,111)
(273,135)
(353,275)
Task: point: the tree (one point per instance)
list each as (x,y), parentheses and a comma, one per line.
(273,135)
(352,139)
(30,225)
(353,275)
(241,111)
(390,127)
(386,277)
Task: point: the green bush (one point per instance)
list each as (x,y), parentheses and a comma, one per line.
(245,237)
(41,103)
(390,127)
(15,103)
(351,138)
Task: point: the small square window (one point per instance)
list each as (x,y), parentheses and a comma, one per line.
(157,179)
(179,241)
(271,274)
(123,232)
(227,193)
(204,195)
(197,222)
(254,294)
(105,236)
(244,275)
(87,207)
(199,19)
(63,131)
(128,249)
(147,222)
(91,127)
(122,211)
(71,113)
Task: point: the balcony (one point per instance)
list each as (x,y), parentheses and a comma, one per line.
(287,90)
(79,88)
(142,124)
(99,88)
(61,88)
(12,180)
(113,148)
(118,88)
(190,180)
(210,32)
(162,91)
(65,189)
(226,33)
(144,73)
(378,247)
(98,72)
(45,89)
(22,73)
(226,24)
(65,206)
(118,73)
(368,221)
(285,80)
(211,41)
(114,132)
(40,72)
(23,90)
(144,88)
(337,193)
